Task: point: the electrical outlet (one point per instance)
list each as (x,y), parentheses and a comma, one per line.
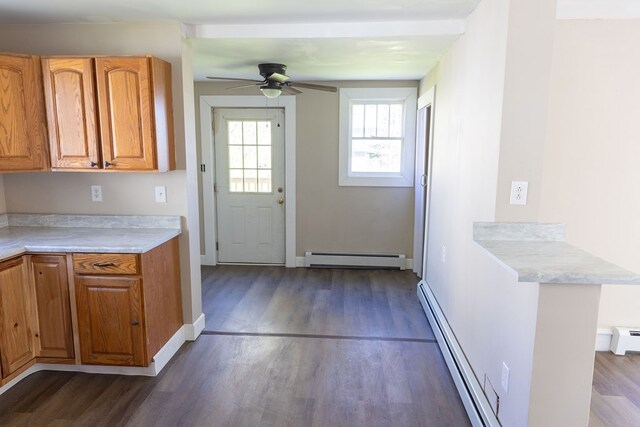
(161,194)
(519,192)
(96,193)
(443,254)
(504,380)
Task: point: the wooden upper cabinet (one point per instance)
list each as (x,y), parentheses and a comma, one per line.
(16,317)
(110,113)
(22,119)
(71,112)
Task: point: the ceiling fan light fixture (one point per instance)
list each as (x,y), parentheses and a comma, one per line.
(270,91)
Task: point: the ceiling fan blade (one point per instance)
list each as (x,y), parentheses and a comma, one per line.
(244,86)
(312,86)
(232,79)
(277,77)
(291,90)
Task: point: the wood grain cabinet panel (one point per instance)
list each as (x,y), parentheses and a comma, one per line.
(129,308)
(110,320)
(110,113)
(71,112)
(105,263)
(54,334)
(16,317)
(23,140)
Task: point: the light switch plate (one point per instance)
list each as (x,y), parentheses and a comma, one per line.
(161,194)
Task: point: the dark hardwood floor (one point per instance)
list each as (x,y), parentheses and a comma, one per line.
(339,302)
(615,398)
(284,347)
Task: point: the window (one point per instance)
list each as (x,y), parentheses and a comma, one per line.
(377,136)
(249,156)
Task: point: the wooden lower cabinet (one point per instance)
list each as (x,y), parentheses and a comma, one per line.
(16,317)
(110,320)
(129,305)
(99,309)
(54,332)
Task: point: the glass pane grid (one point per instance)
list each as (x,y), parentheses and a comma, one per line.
(249,145)
(376,137)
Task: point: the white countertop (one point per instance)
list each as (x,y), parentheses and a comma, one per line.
(540,254)
(112,234)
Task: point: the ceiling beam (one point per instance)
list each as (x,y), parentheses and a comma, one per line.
(328,30)
(598,9)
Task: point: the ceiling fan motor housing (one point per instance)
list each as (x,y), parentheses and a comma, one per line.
(267,69)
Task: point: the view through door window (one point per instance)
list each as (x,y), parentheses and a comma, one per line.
(249,156)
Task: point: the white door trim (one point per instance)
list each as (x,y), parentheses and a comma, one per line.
(428,98)
(207,103)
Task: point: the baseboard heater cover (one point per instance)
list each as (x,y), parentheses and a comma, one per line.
(354,260)
(625,339)
(475,402)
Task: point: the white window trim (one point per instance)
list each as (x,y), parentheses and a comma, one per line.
(348,96)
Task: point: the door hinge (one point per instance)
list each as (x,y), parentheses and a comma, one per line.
(216,246)
(202,168)
(215,187)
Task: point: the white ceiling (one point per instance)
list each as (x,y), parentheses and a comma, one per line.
(323,40)
(231,12)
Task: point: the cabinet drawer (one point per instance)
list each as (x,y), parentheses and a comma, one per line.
(106,264)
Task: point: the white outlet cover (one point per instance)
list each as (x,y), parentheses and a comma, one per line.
(161,194)
(96,193)
(504,380)
(519,192)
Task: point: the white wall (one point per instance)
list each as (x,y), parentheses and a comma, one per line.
(126,193)
(492,315)
(591,164)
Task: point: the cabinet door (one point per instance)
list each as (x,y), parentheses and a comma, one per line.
(110,320)
(54,333)
(71,113)
(22,119)
(16,339)
(126,113)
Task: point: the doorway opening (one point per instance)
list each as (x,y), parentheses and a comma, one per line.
(251,217)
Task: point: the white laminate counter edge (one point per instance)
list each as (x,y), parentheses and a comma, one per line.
(547,261)
(521,231)
(90,221)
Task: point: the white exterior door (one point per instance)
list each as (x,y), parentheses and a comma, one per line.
(249,157)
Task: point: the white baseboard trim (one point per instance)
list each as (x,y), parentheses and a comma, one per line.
(193,330)
(206,260)
(300,262)
(160,360)
(469,388)
(603,339)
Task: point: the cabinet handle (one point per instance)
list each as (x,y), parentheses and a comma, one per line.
(103,264)
(134,322)
(107,164)
(93,164)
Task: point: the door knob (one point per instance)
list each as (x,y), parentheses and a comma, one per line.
(280,200)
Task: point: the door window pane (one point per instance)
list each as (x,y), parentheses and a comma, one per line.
(249,156)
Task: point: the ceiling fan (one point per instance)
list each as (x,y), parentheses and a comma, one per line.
(275,81)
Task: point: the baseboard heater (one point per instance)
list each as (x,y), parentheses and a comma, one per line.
(473,398)
(350,260)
